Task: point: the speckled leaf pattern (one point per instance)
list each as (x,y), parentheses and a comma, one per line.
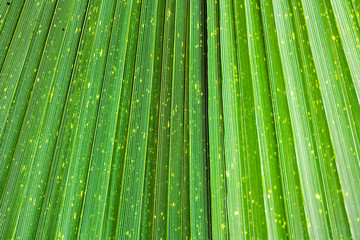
(179,119)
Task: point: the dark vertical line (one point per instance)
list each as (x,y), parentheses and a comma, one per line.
(206,120)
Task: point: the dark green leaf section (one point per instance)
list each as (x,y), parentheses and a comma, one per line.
(163,151)
(176,161)
(179,119)
(148,205)
(186,230)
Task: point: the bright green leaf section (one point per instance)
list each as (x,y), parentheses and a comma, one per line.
(216,126)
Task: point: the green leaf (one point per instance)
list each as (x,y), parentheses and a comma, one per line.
(337,107)
(165,116)
(270,171)
(175,178)
(199,218)
(103,143)
(135,154)
(216,126)
(35,146)
(201,119)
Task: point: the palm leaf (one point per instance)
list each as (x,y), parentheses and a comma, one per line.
(202,119)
